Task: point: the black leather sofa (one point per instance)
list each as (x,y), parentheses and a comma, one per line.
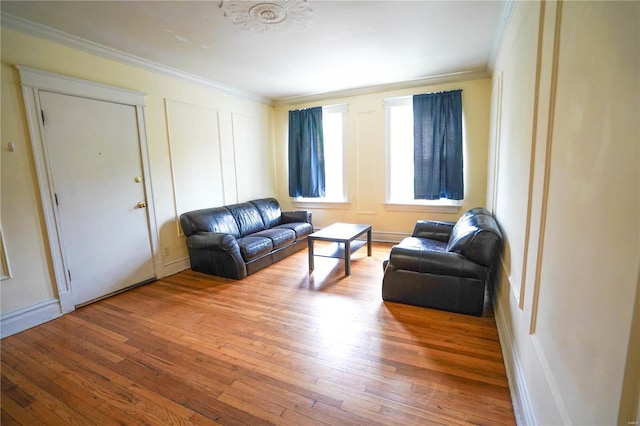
(238,240)
(445,265)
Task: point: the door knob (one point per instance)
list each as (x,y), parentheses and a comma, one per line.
(141,205)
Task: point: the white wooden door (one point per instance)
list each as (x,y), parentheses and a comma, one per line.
(94,155)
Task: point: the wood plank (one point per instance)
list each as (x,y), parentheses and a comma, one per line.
(283,346)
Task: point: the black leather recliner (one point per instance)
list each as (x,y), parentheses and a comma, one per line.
(445,265)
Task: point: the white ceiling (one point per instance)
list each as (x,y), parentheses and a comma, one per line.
(345,44)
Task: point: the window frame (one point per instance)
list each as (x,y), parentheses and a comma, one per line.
(324,202)
(440,206)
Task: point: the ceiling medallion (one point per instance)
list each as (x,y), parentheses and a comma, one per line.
(267,16)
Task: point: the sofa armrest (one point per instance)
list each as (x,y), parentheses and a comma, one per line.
(434,262)
(433,230)
(296,216)
(212,241)
(216,254)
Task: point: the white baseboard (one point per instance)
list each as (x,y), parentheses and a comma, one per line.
(175,266)
(389,237)
(522,408)
(22,319)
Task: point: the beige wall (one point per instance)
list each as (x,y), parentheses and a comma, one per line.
(366,160)
(208,167)
(566,188)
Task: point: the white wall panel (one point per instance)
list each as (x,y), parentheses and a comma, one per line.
(567,339)
(591,248)
(517,93)
(253,157)
(194,143)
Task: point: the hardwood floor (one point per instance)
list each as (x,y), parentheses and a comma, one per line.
(281,347)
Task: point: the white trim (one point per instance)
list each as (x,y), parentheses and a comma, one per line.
(336,109)
(389,237)
(333,205)
(439,206)
(507,12)
(5,268)
(33,81)
(148,190)
(47,33)
(45,80)
(426,81)
(551,382)
(32,108)
(175,266)
(522,408)
(31,316)
(423,207)
(397,101)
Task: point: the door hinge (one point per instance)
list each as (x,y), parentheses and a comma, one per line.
(42,115)
(56,195)
(69,273)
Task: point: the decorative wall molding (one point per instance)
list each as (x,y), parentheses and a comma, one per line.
(547,166)
(551,382)
(56,36)
(507,12)
(31,316)
(475,74)
(207,166)
(5,269)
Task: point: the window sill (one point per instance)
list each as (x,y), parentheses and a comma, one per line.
(316,204)
(434,207)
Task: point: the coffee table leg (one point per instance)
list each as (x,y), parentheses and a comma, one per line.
(310,242)
(369,243)
(347,258)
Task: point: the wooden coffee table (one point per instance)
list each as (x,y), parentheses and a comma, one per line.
(343,235)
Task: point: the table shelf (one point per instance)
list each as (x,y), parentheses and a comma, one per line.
(336,250)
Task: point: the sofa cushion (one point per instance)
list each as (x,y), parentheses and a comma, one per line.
(253,247)
(279,237)
(476,236)
(269,209)
(302,229)
(247,217)
(217,219)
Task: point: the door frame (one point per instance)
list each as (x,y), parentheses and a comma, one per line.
(33,81)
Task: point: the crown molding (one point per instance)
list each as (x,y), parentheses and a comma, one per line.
(28,27)
(426,81)
(507,12)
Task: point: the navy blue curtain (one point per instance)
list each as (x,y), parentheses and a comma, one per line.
(306,153)
(437,139)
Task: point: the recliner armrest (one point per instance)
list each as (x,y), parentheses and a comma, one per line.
(434,262)
(433,230)
(296,216)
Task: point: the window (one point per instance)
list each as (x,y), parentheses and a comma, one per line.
(400,156)
(333,129)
